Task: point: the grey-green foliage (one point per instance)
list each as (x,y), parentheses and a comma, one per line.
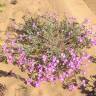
(75,30)
(45,34)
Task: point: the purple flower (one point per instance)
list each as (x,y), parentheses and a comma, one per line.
(83,83)
(54,59)
(71,87)
(10,59)
(4,46)
(37,84)
(83,72)
(34,25)
(30,69)
(80,39)
(71,64)
(63,56)
(44,58)
(51,78)
(20,37)
(29,81)
(88,32)
(13,43)
(22,58)
(61,77)
(86,21)
(70,71)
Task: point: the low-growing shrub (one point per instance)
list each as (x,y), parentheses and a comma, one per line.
(49,50)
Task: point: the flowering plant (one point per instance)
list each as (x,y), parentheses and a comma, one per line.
(49,50)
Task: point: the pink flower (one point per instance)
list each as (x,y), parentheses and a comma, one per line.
(13,43)
(22,58)
(61,78)
(44,58)
(88,32)
(71,64)
(10,59)
(51,78)
(83,72)
(37,84)
(63,56)
(30,69)
(80,39)
(29,81)
(54,59)
(71,87)
(4,46)
(86,21)
(34,25)
(70,71)
(84,83)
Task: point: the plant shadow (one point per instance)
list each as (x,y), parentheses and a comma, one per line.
(11,74)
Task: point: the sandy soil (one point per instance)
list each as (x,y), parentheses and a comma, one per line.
(76,8)
(91,4)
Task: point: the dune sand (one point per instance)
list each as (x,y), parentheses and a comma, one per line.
(91,4)
(78,8)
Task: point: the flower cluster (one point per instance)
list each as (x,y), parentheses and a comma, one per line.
(49,50)
(46,68)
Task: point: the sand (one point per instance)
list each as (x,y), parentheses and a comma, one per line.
(91,4)
(78,8)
